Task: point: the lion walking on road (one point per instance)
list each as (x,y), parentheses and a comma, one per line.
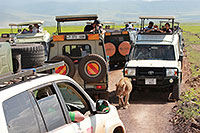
(123,90)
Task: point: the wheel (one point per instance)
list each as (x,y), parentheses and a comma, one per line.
(176,91)
(16,59)
(32,55)
(69,64)
(92,68)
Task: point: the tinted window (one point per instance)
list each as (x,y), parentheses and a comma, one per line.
(153,52)
(72,98)
(50,108)
(20,115)
(76,50)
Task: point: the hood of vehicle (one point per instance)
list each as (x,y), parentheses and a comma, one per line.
(151,63)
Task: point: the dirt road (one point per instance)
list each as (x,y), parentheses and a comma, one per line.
(149,111)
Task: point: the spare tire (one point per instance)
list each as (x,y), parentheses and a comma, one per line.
(92,68)
(110,49)
(124,48)
(32,55)
(69,65)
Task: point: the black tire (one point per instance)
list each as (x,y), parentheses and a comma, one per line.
(93,58)
(104,96)
(176,91)
(69,63)
(32,55)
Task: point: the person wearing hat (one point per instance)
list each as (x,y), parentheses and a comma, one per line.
(92,27)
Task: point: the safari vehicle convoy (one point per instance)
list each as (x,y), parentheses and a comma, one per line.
(32,100)
(84,56)
(156,59)
(118,44)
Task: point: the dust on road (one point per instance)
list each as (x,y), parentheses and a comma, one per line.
(149,111)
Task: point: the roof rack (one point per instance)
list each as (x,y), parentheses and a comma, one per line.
(130,22)
(154,37)
(30,71)
(76,17)
(156,17)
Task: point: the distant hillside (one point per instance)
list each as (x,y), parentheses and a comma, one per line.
(108,10)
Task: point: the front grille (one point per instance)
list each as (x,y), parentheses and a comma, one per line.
(147,71)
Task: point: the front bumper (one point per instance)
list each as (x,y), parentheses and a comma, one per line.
(161,82)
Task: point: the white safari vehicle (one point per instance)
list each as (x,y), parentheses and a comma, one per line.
(42,104)
(155,61)
(25,37)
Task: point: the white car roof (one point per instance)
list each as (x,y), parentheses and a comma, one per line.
(155,38)
(153,43)
(21,87)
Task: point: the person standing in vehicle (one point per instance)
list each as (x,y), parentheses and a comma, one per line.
(167,28)
(92,27)
(149,27)
(125,28)
(30,27)
(37,28)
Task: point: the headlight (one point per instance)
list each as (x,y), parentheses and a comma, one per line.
(130,71)
(171,72)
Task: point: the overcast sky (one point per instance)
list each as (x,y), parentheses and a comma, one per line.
(14,11)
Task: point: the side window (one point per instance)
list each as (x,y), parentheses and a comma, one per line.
(73,100)
(76,50)
(19,114)
(50,108)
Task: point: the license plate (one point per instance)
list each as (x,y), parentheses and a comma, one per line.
(150,81)
(76,37)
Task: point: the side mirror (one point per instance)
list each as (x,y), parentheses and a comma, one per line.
(180,58)
(102,106)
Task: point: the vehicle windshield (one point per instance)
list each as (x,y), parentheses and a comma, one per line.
(153,52)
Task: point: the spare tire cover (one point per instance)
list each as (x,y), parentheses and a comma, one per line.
(69,67)
(124,48)
(92,68)
(110,49)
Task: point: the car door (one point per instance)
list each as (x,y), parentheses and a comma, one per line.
(75,100)
(48,105)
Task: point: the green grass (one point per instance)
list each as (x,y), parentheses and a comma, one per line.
(51,29)
(191,40)
(192,27)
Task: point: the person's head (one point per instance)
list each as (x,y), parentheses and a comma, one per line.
(132,25)
(95,23)
(151,24)
(126,25)
(167,26)
(36,25)
(30,27)
(163,27)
